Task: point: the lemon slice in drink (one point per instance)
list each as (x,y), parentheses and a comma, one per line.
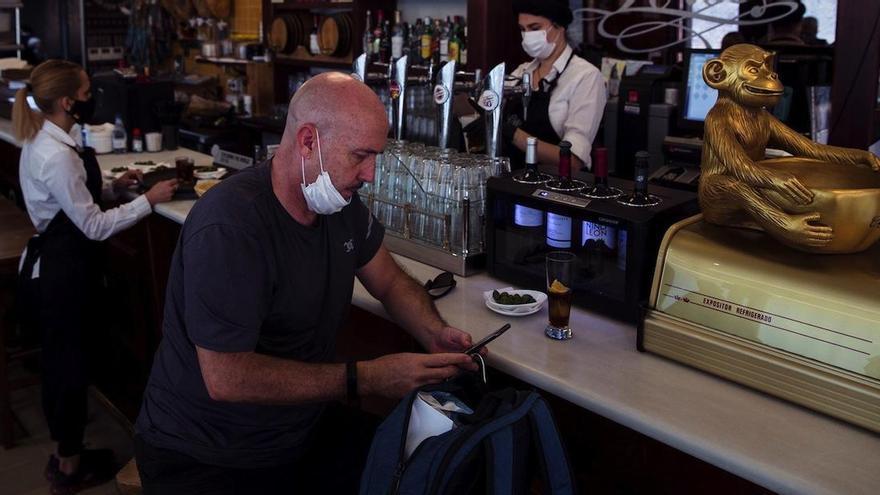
(558,287)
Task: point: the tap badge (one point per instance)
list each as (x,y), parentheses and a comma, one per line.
(394,89)
(441,94)
(489,100)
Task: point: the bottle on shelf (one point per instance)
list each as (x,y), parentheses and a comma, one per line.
(377,35)
(314,46)
(435,41)
(454,42)
(444,41)
(368,38)
(397,37)
(137,142)
(385,43)
(426,38)
(463,58)
(119,136)
(415,42)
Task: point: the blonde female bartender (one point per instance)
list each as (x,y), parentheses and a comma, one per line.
(568,93)
(60,276)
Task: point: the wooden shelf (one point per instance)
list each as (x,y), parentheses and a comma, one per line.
(312,5)
(315,61)
(225,60)
(10,47)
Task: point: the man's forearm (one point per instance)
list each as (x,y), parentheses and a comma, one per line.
(410,306)
(257,378)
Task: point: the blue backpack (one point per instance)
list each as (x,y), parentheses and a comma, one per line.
(496,450)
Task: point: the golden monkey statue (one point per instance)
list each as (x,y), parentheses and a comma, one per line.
(817,201)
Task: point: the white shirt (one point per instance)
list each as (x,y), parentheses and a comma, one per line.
(53,179)
(577,103)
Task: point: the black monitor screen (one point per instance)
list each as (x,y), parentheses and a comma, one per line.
(698,97)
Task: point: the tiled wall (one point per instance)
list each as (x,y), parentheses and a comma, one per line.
(246,17)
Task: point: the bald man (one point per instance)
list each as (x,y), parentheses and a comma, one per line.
(260,282)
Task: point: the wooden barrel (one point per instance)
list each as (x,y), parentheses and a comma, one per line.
(285,34)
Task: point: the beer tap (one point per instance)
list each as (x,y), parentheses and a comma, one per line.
(491,101)
(527,94)
(397,86)
(359,67)
(444,92)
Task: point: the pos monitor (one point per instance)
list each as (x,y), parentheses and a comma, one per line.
(697,97)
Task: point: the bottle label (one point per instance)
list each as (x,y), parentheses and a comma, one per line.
(558,231)
(396,47)
(426,46)
(441,94)
(489,100)
(453,51)
(463,56)
(118,144)
(598,232)
(313,44)
(524,216)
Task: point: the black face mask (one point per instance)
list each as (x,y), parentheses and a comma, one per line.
(82,111)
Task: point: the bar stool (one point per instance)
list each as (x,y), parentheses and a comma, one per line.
(17,230)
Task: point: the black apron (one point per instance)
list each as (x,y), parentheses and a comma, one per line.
(63,303)
(538,123)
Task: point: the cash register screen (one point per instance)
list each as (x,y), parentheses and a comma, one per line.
(698,97)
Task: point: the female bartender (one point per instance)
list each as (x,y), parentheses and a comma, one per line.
(60,273)
(568,93)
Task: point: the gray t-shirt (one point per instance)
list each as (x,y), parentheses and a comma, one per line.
(246,276)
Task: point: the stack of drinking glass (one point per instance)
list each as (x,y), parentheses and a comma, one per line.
(434,196)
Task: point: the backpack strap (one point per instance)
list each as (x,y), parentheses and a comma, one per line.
(499,462)
(553,462)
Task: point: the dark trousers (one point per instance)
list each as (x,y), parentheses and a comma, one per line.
(332,463)
(69,320)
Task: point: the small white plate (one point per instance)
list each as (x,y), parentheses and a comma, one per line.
(515,309)
(526,311)
(216,174)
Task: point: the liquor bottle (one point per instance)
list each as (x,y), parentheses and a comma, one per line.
(444,41)
(368,38)
(314,47)
(397,37)
(377,35)
(427,35)
(435,41)
(454,43)
(463,50)
(119,136)
(415,42)
(385,43)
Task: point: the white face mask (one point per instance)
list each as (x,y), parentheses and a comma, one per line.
(535,44)
(321,195)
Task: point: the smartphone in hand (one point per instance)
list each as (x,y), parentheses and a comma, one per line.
(474,349)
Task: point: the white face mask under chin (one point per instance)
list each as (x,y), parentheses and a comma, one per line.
(321,196)
(535,44)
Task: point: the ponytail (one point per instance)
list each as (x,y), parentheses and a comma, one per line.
(25,122)
(49,81)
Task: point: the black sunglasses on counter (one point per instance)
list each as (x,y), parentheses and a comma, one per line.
(440,285)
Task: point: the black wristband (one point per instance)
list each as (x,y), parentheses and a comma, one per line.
(351,381)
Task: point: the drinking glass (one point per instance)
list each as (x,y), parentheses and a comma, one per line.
(185,168)
(560,275)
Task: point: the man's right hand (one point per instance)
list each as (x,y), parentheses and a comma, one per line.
(161,192)
(396,375)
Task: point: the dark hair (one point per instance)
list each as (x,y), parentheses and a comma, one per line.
(791,19)
(557,11)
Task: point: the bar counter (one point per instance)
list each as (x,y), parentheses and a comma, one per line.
(770,442)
